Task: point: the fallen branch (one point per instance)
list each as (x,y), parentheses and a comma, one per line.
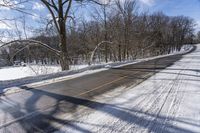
(33,42)
(98,45)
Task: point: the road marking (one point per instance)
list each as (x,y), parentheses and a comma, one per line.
(96,88)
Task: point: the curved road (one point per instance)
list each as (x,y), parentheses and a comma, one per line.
(161,95)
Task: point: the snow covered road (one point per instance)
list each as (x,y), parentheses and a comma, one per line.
(168,102)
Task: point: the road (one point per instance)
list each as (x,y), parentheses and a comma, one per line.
(159,95)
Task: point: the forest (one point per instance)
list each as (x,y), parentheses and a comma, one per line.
(115,31)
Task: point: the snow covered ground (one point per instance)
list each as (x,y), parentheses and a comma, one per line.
(167,102)
(17,72)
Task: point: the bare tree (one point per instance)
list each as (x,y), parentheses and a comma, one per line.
(60,12)
(127,10)
(198,37)
(130,35)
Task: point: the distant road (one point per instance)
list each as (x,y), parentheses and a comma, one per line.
(47,108)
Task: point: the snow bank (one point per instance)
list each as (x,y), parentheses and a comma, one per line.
(184,50)
(17,72)
(11,73)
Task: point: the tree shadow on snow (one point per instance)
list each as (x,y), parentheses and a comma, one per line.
(41,121)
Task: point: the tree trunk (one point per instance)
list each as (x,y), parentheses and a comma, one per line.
(106,52)
(64,60)
(119,53)
(106,34)
(124,52)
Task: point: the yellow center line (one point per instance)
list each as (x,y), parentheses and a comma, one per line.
(98,87)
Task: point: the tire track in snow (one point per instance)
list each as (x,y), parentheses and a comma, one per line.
(155,106)
(149,102)
(157,109)
(169,106)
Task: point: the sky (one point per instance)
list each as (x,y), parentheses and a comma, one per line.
(189,8)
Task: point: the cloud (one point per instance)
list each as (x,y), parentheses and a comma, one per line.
(6,5)
(197,27)
(49,16)
(38,6)
(147,2)
(5,25)
(3,7)
(35,16)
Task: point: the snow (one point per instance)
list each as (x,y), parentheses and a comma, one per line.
(10,73)
(167,102)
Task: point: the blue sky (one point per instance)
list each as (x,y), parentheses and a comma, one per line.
(189,8)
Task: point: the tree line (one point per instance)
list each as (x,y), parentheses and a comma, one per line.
(116,31)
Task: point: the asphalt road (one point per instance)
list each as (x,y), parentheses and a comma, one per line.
(46,108)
